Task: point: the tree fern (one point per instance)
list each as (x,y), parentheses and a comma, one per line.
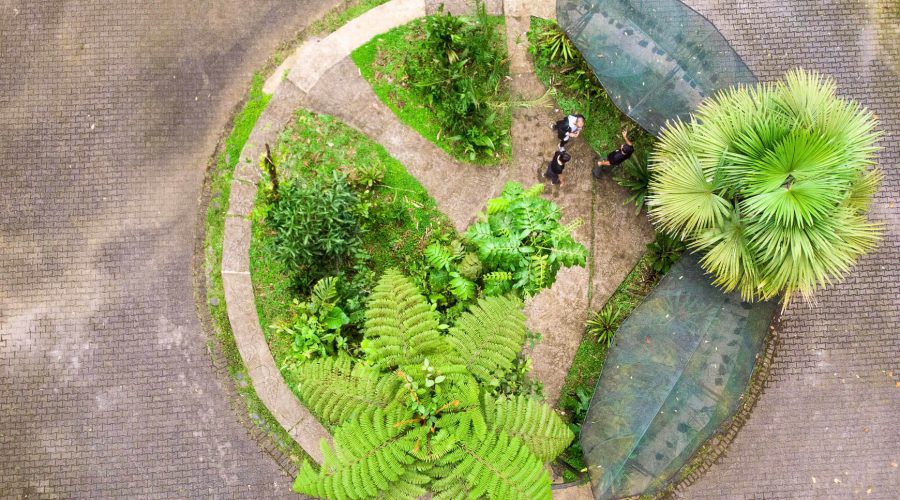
(401,326)
(334,389)
(419,418)
(486,339)
(536,424)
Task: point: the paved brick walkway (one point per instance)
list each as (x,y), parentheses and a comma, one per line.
(108,113)
(827,424)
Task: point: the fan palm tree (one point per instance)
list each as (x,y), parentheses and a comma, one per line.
(772,183)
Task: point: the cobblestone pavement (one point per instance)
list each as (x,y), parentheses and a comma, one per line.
(827,423)
(108,114)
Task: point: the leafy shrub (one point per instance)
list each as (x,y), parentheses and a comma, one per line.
(316,227)
(664,251)
(555,45)
(604,323)
(418,415)
(772,183)
(460,68)
(316,325)
(635,177)
(521,235)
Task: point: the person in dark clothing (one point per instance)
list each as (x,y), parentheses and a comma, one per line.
(619,155)
(568,128)
(556,166)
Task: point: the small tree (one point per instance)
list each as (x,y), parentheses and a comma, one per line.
(418,415)
(772,183)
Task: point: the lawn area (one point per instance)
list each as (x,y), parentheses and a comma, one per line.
(401,221)
(471,119)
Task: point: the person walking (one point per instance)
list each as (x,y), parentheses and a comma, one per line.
(568,128)
(556,167)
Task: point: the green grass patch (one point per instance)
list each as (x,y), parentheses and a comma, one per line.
(403,219)
(220,189)
(604,121)
(383,63)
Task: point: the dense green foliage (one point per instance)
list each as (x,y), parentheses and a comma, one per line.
(444,76)
(772,183)
(316,226)
(418,416)
(577,90)
(635,177)
(521,237)
(396,220)
(664,251)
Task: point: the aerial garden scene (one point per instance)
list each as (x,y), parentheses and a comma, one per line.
(429,266)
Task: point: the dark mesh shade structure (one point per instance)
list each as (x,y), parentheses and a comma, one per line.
(657,59)
(677,371)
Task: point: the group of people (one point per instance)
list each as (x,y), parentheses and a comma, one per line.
(569,128)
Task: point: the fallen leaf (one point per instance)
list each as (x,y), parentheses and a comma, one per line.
(837,481)
(814,479)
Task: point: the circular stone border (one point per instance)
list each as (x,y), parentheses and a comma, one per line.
(304,69)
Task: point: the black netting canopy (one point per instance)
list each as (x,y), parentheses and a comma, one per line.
(657,59)
(679,366)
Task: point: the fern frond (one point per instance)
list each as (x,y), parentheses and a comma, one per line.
(401,326)
(369,457)
(324,292)
(535,423)
(462,288)
(470,267)
(438,256)
(334,389)
(495,467)
(486,338)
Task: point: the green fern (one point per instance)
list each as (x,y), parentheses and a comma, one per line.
(438,257)
(470,267)
(401,327)
(461,287)
(408,424)
(486,338)
(334,390)
(324,293)
(536,424)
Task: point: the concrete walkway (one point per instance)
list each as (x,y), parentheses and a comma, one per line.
(109,114)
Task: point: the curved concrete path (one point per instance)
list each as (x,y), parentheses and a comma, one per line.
(460,190)
(109,114)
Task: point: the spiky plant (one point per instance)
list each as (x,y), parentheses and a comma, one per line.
(772,183)
(418,416)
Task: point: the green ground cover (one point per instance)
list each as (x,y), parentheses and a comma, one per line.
(220,188)
(450,88)
(402,220)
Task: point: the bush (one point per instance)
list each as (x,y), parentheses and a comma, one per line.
(772,183)
(664,251)
(460,68)
(635,177)
(604,323)
(316,324)
(521,236)
(316,226)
